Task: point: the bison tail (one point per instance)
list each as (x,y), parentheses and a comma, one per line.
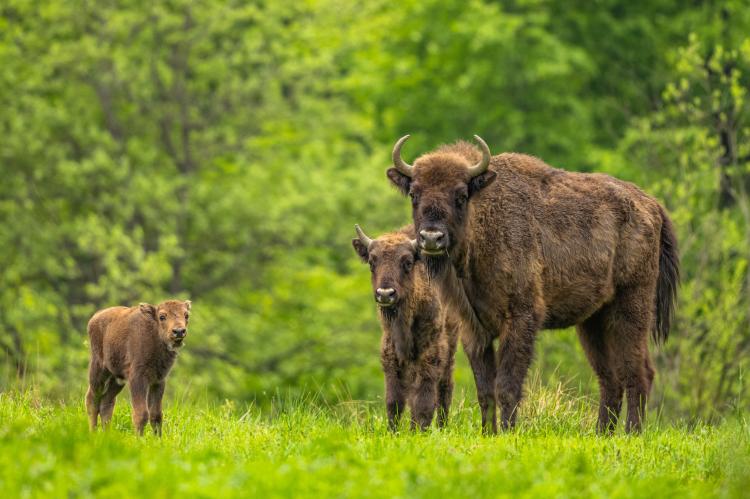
(669,279)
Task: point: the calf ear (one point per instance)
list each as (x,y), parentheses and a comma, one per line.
(401,181)
(148,310)
(188,304)
(361,249)
(479,182)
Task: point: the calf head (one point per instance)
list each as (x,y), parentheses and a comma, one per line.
(171,318)
(440,185)
(391,258)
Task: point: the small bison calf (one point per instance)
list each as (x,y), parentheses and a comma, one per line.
(418,345)
(137,345)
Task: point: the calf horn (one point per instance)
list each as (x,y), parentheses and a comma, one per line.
(362,236)
(399,163)
(482,166)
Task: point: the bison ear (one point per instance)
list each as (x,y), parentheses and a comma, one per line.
(148,310)
(401,181)
(481,181)
(361,249)
(188,304)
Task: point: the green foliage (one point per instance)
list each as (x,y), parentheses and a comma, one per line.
(222,151)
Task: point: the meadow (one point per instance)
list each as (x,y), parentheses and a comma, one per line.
(221,151)
(301,447)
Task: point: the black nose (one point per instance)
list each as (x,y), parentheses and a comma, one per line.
(432,240)
(179,332)
(385,295)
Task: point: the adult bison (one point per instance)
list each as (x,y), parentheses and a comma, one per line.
(518,246)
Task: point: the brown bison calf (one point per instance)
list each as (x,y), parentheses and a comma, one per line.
(137,345)
(418,343)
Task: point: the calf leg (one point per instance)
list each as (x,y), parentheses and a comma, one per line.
(107,404)
(155,394)
(98,377)
(515,355)
(594,339)
(138,399)
(445,386)
(424,403)
(445,395)
(395,399)
(482,362)
(92,407)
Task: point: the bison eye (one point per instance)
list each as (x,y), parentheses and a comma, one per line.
(414,198)
(372,266)
(187,316)
(407,265)
(461,200)
(162,317)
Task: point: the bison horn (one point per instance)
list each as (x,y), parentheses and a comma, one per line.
(362,236)
(482,166)
(414,245)
(399,163)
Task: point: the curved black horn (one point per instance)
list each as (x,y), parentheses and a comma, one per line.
(482,166)
(399,163)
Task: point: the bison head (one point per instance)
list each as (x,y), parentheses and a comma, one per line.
(391,258)
(440,185)
(171,318)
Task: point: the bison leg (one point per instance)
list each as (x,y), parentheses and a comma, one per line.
(445,386)
(424,403)
(482,362)
(155,395)
(650,373)
(445,395)
(98,379)
(515,354)
(631,319)
(395,399)
(594,339)
(107,404)
(138,399)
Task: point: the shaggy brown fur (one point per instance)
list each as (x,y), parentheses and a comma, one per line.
(137,345)
(527,247)
(418,345)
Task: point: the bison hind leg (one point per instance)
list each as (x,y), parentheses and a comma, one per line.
(99,379)
(595,339)
(616,342)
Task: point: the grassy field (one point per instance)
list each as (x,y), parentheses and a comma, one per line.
(306,448)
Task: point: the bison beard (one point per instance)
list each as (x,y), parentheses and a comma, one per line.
(389,314)
(436,265)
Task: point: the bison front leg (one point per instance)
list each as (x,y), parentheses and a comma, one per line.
(482,360)
(138,399)
(395,399)
(445,395)
(515,354)
(424,403)
(155,395)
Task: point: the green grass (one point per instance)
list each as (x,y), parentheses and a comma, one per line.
(307,448)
